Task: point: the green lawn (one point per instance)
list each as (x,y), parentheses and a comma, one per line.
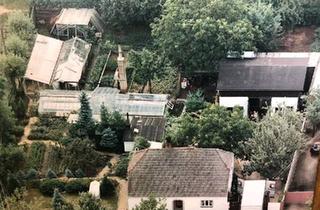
(15,4)
(40,202)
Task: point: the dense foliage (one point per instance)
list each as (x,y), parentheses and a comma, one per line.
(197,34)
(195,101)
(313,109)
(151,203)
(215,127)
(36,155)
(122,167)
(275,139)
(141,143)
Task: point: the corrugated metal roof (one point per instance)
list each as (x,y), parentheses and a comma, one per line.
(43,59)
(81,16)
(274,72)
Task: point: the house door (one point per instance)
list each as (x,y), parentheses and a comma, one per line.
(178,205)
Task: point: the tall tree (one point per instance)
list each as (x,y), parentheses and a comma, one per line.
(195,101)
(146,65)
(21,25)
(88,202)
(196,34)
(85,126)
(59,202)
(7,121)
(268,20)
(17,46)
(313,109)
(275,139)
(151,203)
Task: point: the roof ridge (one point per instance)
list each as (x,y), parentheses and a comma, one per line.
(221,158)
(138,155)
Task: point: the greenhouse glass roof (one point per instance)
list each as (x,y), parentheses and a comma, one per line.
(65,102)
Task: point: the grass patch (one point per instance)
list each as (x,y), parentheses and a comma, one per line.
(40,202)
(15,4)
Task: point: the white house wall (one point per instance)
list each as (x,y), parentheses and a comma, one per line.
(129,145)
(284,101)
(230,102)
(189,203)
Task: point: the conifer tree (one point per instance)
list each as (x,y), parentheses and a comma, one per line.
(59,203)
(85,124)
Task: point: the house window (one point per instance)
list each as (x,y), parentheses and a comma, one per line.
(178,205)
(207,204)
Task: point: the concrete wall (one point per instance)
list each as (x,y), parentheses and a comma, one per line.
(189,203)
(298,197)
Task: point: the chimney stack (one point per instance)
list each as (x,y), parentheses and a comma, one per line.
(122,71)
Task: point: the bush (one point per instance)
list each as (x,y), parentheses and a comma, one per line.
(18,130)
(121,168)
(77,186)
(79,173)
(36,155)
(112,64)
(141,143)
(68,173)
(47,186)
(32,174)
(51,174)
(107,187)
(107,81)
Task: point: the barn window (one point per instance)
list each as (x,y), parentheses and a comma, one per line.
(207,204)
(178,205)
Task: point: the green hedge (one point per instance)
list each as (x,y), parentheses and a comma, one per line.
(47,186)
(77,185)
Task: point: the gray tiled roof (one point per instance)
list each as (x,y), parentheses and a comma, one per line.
(180,172)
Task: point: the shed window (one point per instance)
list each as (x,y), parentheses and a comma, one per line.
(207,204)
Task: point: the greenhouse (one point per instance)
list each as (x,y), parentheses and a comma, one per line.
(62,102)
(72,22)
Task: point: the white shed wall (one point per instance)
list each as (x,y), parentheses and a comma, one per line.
(189,203)
(284,101)
(235,101)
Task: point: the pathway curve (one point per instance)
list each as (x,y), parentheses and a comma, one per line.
(123,184)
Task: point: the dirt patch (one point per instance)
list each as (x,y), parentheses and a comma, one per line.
(298,40)
(3,10)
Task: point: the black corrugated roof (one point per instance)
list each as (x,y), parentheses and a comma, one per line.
(263,74)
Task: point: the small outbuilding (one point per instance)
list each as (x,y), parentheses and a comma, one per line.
(57,63)
(74,22)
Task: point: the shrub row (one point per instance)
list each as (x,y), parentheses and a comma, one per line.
(75,186)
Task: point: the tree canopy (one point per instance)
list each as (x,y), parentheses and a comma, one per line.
(275,139)
(197,34)
(151,203)
(214,127)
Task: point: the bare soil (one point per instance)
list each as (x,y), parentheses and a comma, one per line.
(298,40)
(3,10)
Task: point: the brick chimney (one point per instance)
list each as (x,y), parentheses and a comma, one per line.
(122,71)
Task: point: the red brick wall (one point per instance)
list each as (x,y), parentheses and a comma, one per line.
(298,197)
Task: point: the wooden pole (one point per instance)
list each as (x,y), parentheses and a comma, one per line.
(316,195)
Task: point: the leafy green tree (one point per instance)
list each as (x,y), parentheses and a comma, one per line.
(85,126)
(313,109)
(88,202)
(141,143)
(275,139)
(7,121)
(59,203)
(197,34)
(223,129)
(151,203)
(268,20)
(146,65)
(122,13)
(17,46)
(16,201)
(195,101)
(12,159)
(182,131)
(107,187)
(290,10)
(109,140)
(214,127)
(21,25)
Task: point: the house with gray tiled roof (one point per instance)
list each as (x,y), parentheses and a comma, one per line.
(186,178)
